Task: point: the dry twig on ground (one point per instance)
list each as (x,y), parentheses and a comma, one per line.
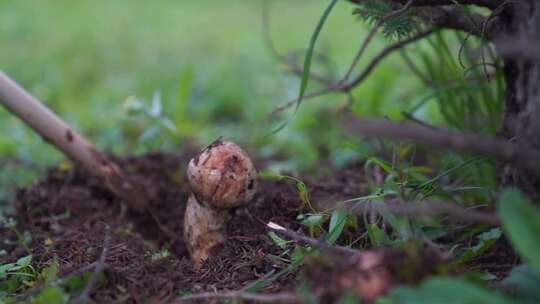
(84,297)
(310,241)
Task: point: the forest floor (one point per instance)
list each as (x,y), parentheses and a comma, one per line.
(72,217)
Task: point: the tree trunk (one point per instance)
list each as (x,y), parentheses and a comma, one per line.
(521,121)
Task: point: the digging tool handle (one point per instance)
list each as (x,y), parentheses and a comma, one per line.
(57,133)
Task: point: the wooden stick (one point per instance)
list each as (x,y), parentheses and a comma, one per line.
(57,133)
(518,154)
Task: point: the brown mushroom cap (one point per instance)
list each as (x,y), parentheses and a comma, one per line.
(222,175)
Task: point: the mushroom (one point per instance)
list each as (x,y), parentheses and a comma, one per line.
(221,176)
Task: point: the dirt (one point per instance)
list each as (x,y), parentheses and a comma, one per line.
(498,261)
(68,211)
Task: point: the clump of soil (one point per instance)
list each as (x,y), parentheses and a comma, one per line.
(67,213)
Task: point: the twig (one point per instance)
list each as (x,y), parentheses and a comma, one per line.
(362,76)
(295,100)
(457,18)
(57,133)
(443,14)
(311,241)
(385,52)
(456,212)
(411,117)
(370,36)
(84,297)
(525,157)
(283,297)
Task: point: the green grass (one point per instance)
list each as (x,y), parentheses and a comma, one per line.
(206,58)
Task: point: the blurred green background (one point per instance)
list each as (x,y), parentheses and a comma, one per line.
(136,76)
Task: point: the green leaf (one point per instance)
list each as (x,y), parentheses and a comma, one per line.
(349,298)
(269,175)
(337,223)
(311,48)
(386,166)
(486,241)
(377,236)
(4,269)
(524,283)
(298,255)
(11,284)
(50,295)
(521,223)
(50,273)
(313,221)
(446,291)
(24,261)
(278,240)
(77,283)
(303,192)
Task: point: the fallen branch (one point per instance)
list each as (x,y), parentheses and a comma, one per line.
(283,297)
(525,157)
(57,133)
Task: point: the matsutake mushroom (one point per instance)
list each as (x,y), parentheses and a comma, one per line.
(221,176)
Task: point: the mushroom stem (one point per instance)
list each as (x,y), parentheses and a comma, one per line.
(204,229)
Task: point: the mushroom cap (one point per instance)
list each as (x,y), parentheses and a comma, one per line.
(222,175)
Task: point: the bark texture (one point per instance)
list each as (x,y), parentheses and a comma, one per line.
(521,121)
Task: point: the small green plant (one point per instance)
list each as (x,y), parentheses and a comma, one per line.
(463,98)
(520,225)
(155,119)
(23,238)
(158,255)
(16,276)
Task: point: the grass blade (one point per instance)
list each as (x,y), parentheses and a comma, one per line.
(309,53)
